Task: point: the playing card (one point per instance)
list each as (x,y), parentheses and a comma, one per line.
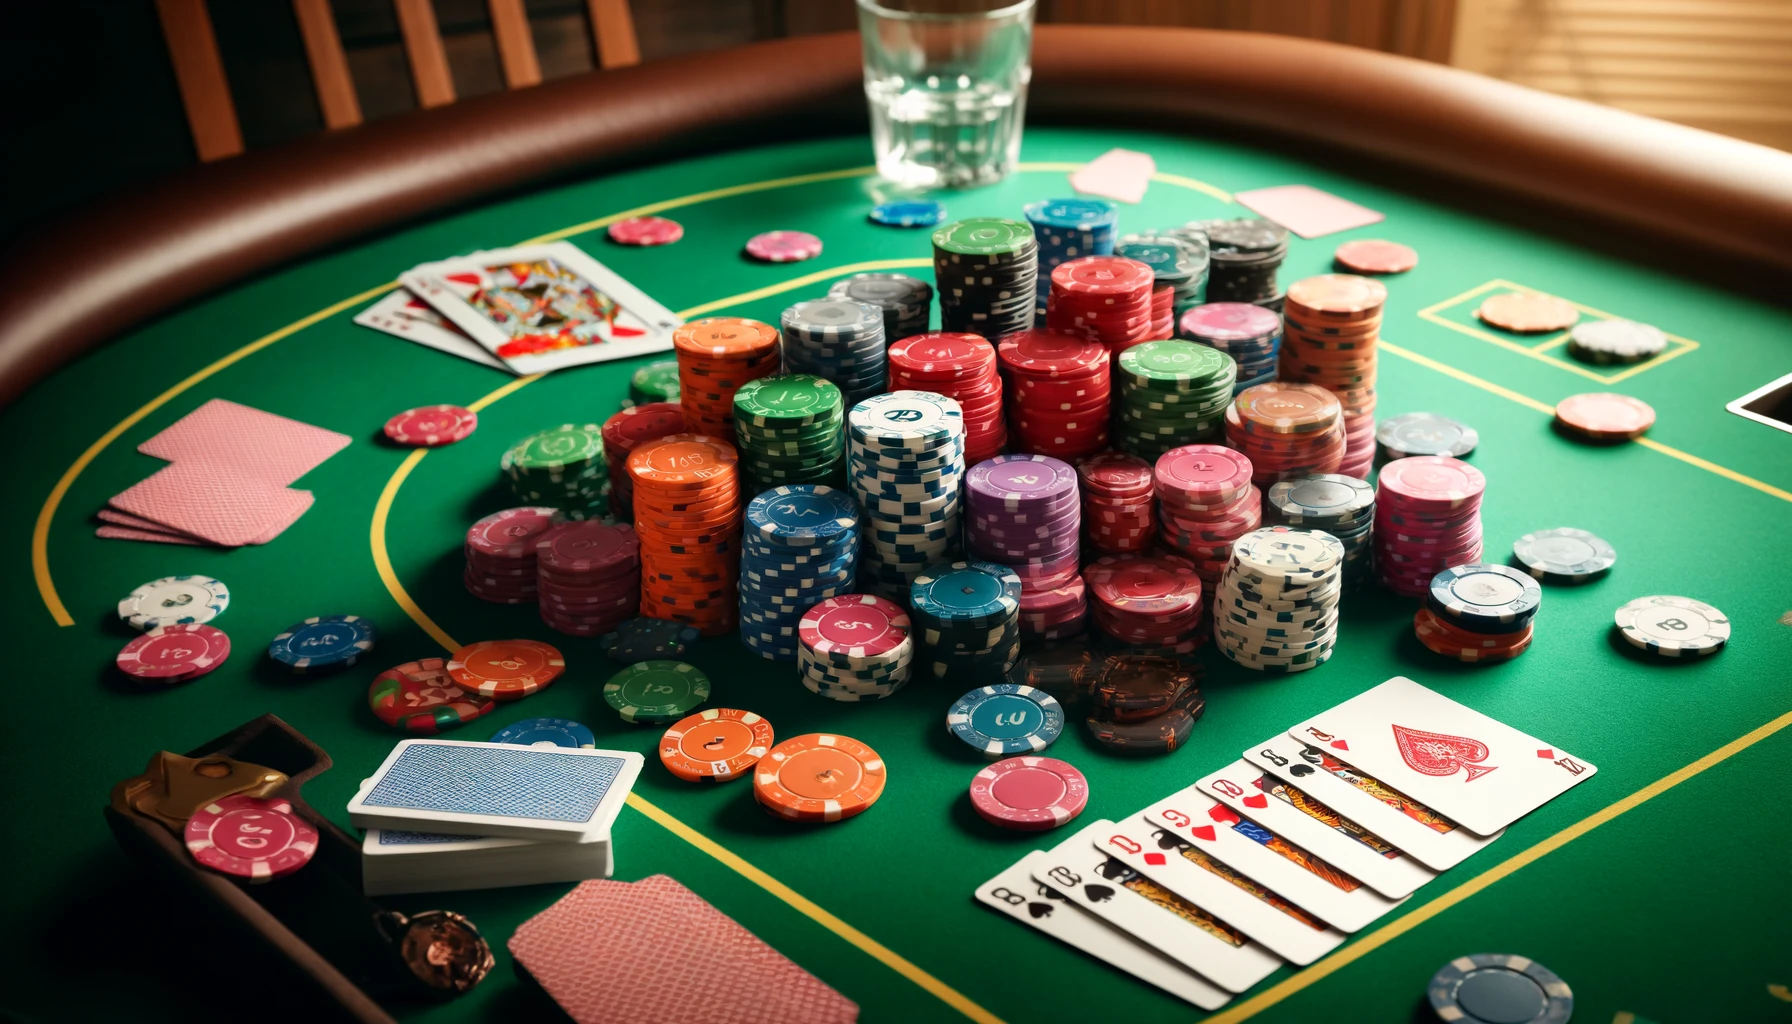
(543,307)
(1117,174)
(1018,894)
(125,519)
(496,789)
(213,504)
(1316,886)
(1427,836)
(1307,211)
(403,315)
(1203,881)
(1483,773)
(1286,810)
(247,442)
(110,532)
(397,861)
(1149,912)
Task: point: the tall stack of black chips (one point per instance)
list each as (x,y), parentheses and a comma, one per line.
(987,269)
(907,302)
(1244,255)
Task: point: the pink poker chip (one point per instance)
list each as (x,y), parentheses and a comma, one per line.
(1230,321)
(854,627)
(509,534)
(174,653)
(586,547)
(1029,794)
(784,246)
(432,426)
(646,231)
(1430,483)
(250,837)
(1203,475)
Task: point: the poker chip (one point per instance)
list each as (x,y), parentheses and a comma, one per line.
(1375,256)
(501,554)
(646,231)
(1146,599)
(1250,334)
(505,669)
(1171,393)
(1605,416)
(1442,636)
(323,643)
(1332,324)
(589,576)
(905,460)
(1564,555)
(1287,429)
(1343,506)
(562,468)
(657,691)
(1006,719)
(1205,503)
(783,246)
(716,355)
(1066,671)
(1527,312)
(1244,255)
(966,617)
(1615,341)
(658,381)
(715,745)
(855,647)
(838,340)
(1276,606)
(1056,390)
(546,732)
(171,600)
(909,213)
(1024,513)
(647,639)
(1159,734)
(907,302)
(420,697)
(1673,627)
(788,430)
(1485,598)
(1495,988)
(818,777)
(687,516)
(987,272)
(1105,299)
(629,429)
(1133,688)
(1424,433)
(1029,794)
(1427,519)
(432,426)
(962,367)
(1185,276)
(800,547)
(1067,229)
(175,653)
(250,838)
(1119,496)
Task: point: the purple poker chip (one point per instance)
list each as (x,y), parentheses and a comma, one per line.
(1020,483)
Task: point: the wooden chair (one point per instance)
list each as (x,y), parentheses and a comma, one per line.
(204,92)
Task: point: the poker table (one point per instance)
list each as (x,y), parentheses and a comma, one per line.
(1657,888)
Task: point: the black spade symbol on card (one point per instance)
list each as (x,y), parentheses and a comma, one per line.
(1039,910)
(1300,771)
(1098,893)
(1167,841)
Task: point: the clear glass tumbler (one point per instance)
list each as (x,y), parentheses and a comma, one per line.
(947,84)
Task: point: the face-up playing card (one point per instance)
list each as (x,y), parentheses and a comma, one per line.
(1241,906)
(543,307)
(213,504)
(1307,211)
(1427,836)
(495,789)
(1117,174)
(403,315)
(250,443)
(1018,894)
(1286,810)
(1151,913)
(1483,773)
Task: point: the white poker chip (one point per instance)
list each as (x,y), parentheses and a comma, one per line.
(907,420)
(170,600)
(1617,341)
(1673,627)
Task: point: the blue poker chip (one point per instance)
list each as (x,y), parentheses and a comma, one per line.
(909,213)
(646,639)
(1497,988)
(802,514)
(1006,719)
(324,643)
(1485,598)
(967,593)
(1077,214)
(546,732)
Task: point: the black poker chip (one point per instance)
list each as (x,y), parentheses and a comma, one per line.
(1499,988)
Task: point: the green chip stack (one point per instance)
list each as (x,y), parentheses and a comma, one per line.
(562,468)
(789,430)
(655,382)
(1172,393)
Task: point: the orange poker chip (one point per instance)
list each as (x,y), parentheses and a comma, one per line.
(721,337)
(818,777)
(1336,297)
(1376,256)
(716,355)
(1528,312)
(506,669)
(688,515)
(1605,415)
(715,744)
(1281,407)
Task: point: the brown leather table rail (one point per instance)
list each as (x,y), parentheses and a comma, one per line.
(150,250)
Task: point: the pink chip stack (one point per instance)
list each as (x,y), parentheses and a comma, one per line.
(1205,502)
(500,553)
(1119,503)
(590,576)
(1427,518)
(1023,512)
(623,433)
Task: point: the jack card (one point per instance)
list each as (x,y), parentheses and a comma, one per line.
(403,315)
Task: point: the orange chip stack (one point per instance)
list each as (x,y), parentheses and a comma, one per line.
(623,433)
(1287,430)
(687,515)
(716,355)
(1331,324)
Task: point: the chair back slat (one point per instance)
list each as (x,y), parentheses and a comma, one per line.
(329,65)
(423,49)
(199,74)
(516,47)
(614,28)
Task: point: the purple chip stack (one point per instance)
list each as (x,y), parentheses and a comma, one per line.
(1024,512)
(589,576)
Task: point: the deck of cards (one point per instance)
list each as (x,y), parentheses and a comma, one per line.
(445,815)
(1284,853)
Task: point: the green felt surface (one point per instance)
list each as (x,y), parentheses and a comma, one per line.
(1675,911)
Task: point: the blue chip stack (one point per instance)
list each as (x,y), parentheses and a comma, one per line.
(965,619)
(800,547)
(1069,229)
(1186,274)
(839,341)
(907,302)
(905,461)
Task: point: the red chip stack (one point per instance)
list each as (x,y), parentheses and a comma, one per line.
(500,552)
(1427,518)
(1205,502)
(1287,430)
(716,355)
(589,576)
(963,368)
(1103,298)
(1057,389)
(623,433)
(1153,601)
(1118,503)
(1331,325)
(1163,312)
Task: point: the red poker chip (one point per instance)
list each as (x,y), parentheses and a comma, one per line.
(646,231)
(511,533)
(1605,416)
(1040,353)
(640,423)
(784,246)
(855,627)
(1376,256)
(1029,794)
(587,547)
(942,356)
(250,837)
(1144,585)
(1102,275)
(174,653)
(1116,474)
(432,426)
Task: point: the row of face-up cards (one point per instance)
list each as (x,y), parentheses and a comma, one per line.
(444,815)
(525,309)
(1281,855)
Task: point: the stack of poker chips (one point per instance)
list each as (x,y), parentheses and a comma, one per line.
(1250,334)
(1479,613)
(907,302)
(854,648)
(623,433)
(1119,502)
(1615,341)
(589,577)
(1022,511)
(1186,276)
(1424,433)
(987,270)
(1193,239)
(966,617)
(1162,259)
(1102,298)
(1333,321)
(716,355)
(839,341)
(1343,506)
(963,368)
(687,515)
(1244,256)
(788,431)
(1205,503)
(1151,601)
(1276,607)
(653,383)
(563,468)
(1069,229)
(501,554)
(1172,393)
(1143,704)
(1427,518)
(1287,430)
(1057,388)
(905,459)
(800,546)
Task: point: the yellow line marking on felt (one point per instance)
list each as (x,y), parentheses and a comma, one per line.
(1780,992)
(1413,918)
(1623,1017)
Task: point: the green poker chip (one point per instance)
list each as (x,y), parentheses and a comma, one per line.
(557,449)
(655,382)
(563,468)
(1175,363)
(983,236)
(791,400)
(656,692)
(1171,393)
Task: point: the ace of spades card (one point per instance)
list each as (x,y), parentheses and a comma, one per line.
(1481,773)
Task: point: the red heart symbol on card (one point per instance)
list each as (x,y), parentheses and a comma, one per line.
(1340,745)
(1220,812)
(1156,860)
(1256,801)
(1204,832)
